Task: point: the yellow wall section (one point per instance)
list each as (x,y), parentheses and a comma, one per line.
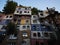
(23,21)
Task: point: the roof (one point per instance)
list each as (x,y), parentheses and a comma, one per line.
(23,6)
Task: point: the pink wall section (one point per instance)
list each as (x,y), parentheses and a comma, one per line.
(33,41)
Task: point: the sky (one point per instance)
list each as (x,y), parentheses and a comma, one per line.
(40,4)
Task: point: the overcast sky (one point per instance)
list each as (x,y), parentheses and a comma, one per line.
(40,4)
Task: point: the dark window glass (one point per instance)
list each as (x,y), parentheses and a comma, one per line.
(34,21)
(6,16)
(28,11)
(20,12)
(34,34)
(27,21)
(28,26)
(10,16)
(25,8)
(42,43)
(41,14)
(46,34)
(34,16)
(39,34)
(17,11)
(52,36)
(34,27)
(25,11)
(37,43)
(24,27)
(19,8)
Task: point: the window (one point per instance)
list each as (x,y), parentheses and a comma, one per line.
(27,21)
(46,34)
(37,43)
(28,26)
(34,34)
(12,43)
(25,11)
(34,21)
(20,12)
(17,11)
(25,8)
(34,16)
(52,36)
(15,20)
(28,11)
(24,27)
(43,26)
(19,20)
(6,16)
(23,42)
(24,34)
(34,27)
(39,34)
(19,8)
(41,14)
(10,16)
(42,43)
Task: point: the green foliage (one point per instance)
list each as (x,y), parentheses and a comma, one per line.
(10,7)
(11,28)
(34,11)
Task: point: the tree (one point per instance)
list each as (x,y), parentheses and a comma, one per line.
(11,28)
(9,7)
(34,11)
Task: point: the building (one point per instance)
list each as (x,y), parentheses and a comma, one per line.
(22,17)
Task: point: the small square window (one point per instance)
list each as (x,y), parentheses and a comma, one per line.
(34,21)
(34,16)
(27,21)
(39,34)
(6,16)
(24,27)
(52,36)
(41,14)
(34,34)
(37,43)
(20,12)
(19,8)
(28,11)
(42,43)
(24,42)
(46,34)
(34,27)
(24,34)
(17,11)
(25,11)
(25,8)
(10,16)
(28,27)
(12,43)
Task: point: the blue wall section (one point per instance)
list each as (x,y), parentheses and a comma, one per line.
(35,27)
(47,28)
(4,22)
(39,27)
